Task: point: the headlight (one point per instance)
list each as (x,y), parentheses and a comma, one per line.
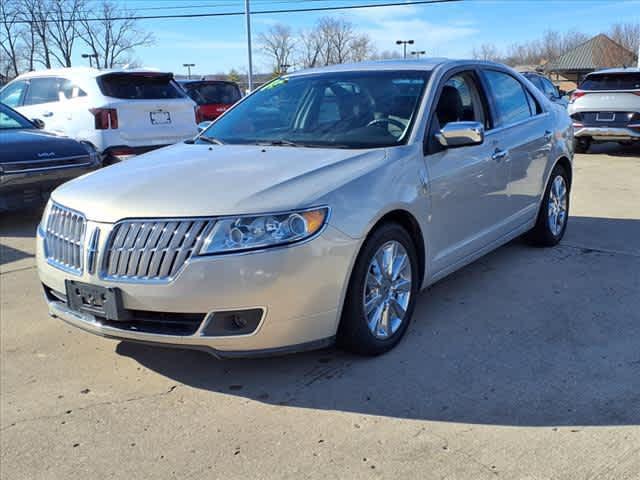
(262,231)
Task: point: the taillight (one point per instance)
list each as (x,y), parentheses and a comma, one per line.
(576,95)
(105,118)
(199,115)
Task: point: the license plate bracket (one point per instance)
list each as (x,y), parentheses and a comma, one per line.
(160,117)
(101,301)
(605,116)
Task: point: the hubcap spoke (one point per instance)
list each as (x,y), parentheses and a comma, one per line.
(557,207)
(387,290)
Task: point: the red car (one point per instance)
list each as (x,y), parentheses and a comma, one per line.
(213,97)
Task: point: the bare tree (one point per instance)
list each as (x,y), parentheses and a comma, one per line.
(37,14)
(627,35)
(361,48)
(111,34)
(487,51)
(278,44)
(62,28)
(333,40)
(9,15)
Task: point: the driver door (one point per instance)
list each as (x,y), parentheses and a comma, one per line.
(468,185)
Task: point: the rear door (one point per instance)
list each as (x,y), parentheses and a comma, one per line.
(522,135)
(151,108)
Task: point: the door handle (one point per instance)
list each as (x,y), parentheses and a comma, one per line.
(499,155)
(47,114)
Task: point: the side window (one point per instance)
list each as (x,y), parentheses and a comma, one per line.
(70,90)
(535,79)
(42,90)
(12,94)
(460,101)
(549,89)
(509,96)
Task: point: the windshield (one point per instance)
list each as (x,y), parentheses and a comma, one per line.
(213,93)
(10,120)
(612,81)
(340,110)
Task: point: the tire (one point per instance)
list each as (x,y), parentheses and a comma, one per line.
(548,230)
(355,333)
(581,145)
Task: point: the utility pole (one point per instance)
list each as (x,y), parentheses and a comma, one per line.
(189,65)
(404,43)
(418,53)
(247,13)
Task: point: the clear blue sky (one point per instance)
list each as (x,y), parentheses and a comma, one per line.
(219,44)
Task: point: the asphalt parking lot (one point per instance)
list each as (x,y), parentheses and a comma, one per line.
(523,365)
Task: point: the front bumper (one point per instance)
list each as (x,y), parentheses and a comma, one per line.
(608,133)
(29,189)
(300,289)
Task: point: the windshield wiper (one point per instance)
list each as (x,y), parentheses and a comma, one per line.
(211,140)
(279,143)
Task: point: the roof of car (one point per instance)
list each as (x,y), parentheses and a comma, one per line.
(616,70)
(426,64)
(86,72)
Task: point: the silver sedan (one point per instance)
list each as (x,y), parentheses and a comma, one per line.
(314,211)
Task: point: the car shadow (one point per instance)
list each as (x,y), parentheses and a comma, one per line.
(20,224)
(616,150)
(523,336)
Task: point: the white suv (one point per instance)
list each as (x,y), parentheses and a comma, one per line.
(120,112)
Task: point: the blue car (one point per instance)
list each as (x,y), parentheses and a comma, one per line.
(34,162)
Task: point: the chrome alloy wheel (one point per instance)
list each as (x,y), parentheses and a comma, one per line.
(387,290)
(557,208)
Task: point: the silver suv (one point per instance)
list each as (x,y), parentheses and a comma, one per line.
(606,108)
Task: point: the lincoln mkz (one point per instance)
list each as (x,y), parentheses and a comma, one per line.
(312,212)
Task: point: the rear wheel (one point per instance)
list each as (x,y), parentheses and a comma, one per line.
(554,211)
(381,294)
(581,145)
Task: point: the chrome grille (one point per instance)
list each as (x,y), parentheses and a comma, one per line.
(152,249)
(64,238)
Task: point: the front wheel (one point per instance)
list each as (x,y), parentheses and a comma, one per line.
(381,294)
(554,211)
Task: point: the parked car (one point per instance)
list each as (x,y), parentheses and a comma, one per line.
(34,162)
(214,97)
(314,210)
(120,112)
(606,108)
(547,87)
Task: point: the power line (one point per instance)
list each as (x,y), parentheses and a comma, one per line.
(238,13)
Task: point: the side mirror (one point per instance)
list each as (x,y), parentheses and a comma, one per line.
(39,124)
(202,126)
(562,93)
(461,134)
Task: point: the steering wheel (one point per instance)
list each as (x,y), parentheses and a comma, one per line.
(387,121)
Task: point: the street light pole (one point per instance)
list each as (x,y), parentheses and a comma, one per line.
(404,43)
(90,56)
(247,12)
(418,53)
(189,65)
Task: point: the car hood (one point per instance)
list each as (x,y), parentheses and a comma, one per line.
(24,145)
(200,180)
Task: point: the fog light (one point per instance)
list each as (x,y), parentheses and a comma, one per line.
(230,323)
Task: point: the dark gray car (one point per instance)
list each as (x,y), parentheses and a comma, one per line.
(34,162)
